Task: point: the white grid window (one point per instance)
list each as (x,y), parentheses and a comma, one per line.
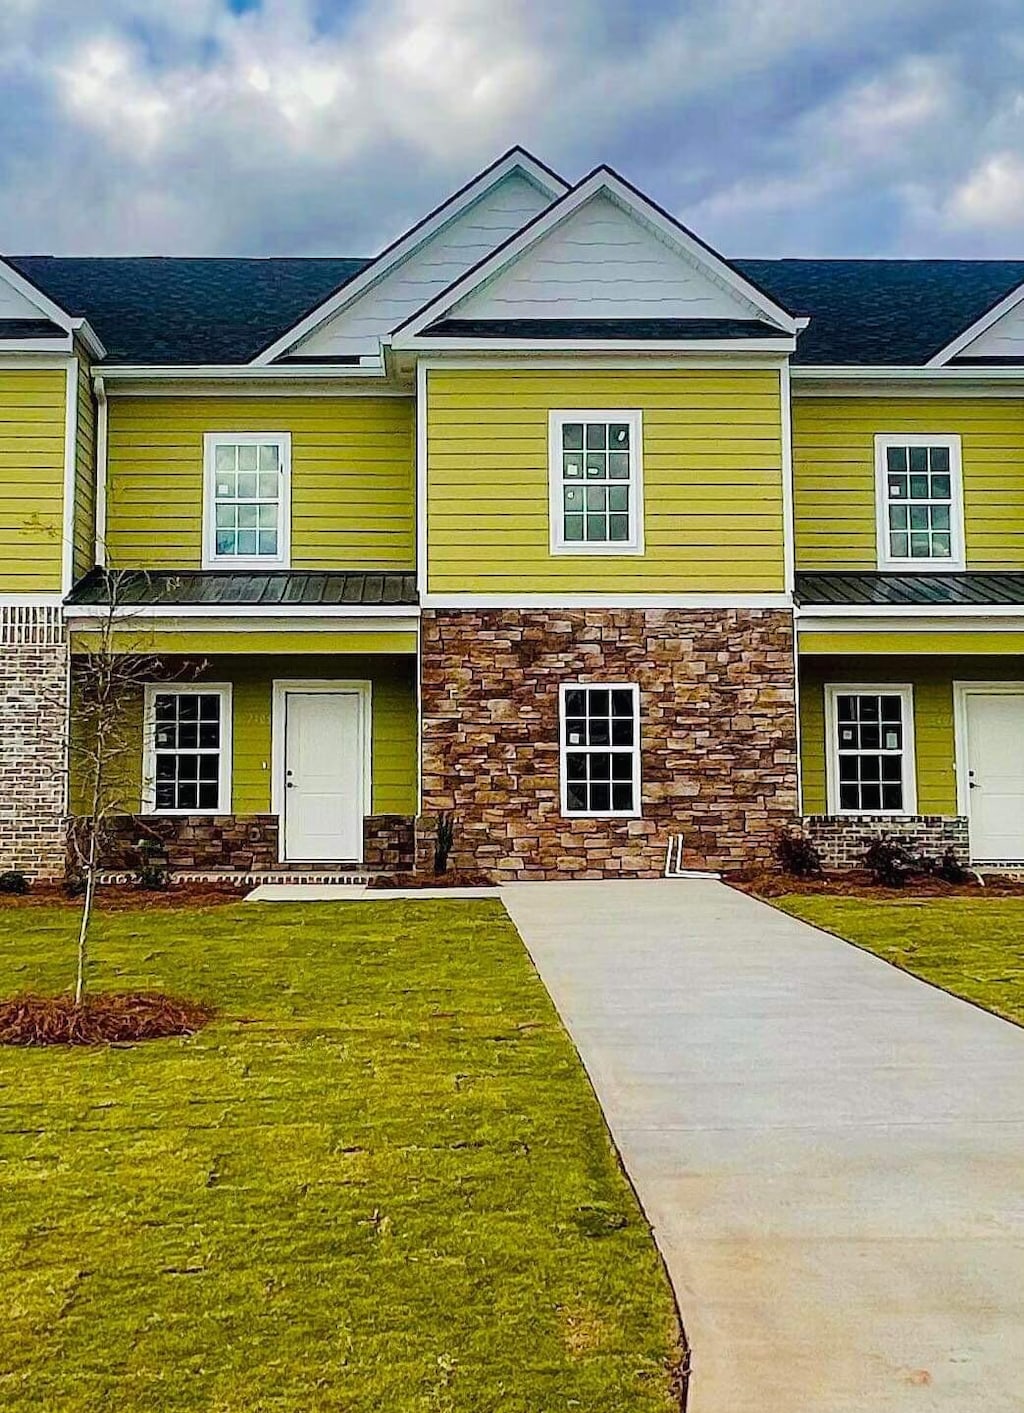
(600,749)
(919,503)
(188,750)
(870,732)
(596,490)
(247,509)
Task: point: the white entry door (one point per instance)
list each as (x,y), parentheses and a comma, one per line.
(995,777)
(323,776)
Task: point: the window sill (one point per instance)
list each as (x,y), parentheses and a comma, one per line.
(599,552)
(152,813)
(922,566)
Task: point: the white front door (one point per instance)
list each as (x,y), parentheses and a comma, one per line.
(995,777)
(323,776)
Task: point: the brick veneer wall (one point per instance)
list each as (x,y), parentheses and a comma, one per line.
(842,839)
(33,735)
(718,735)
(243,843)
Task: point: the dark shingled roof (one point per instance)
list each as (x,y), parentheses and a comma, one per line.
(170,310)
(976,589)
(660,329)
(30,329)
(219,588)
(163,310)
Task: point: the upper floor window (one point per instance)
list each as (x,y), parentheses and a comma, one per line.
(246,518)
(920,509)
(596,484)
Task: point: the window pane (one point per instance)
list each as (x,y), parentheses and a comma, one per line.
(899,546)
(600,731)
(939,458)
(246,542)
(871,797)
(618,528)
(920,546)
(247,486)
(600,766)
(209,735)
(268,542)
(576,797)
(268,457)
(941,546)
(268,487)
(576,731)
(572,497)
(897,487)
(599,701)
(188,796)
(225,542)
(224,458)
(622,732)
(267,517)
(919,458)
(225,517)
(208,795)
(572,466)
(573,527)
(572,436)
(597,465)
(618,465)
(896,458)
(227,485)
(597,436)
(164,795)
(597,498)
(247,517)
(897,517)
(892,797)
(575,767)
(918,487)
(940,517)
(618,498)
(849,797)
(622,703)
(622,797)
(247,458)
(622,767)
(575,702)
(597,527)
(942,488)
(600,797)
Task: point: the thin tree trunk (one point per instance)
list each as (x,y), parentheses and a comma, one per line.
(90,869)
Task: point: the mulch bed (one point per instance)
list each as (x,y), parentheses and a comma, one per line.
(129,897)
(857,884)
(454,878)
(107,1018)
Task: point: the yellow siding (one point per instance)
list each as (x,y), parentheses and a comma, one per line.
(393,710)
(712,481)
(932,680)
(190,642)
(85,474)
(352,477)
(931,643)
(32,426)
(834,474)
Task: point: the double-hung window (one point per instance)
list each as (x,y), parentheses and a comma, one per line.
(870,744)
(919,502)
(187,764)
(596,482)
(600,749)
(247,510)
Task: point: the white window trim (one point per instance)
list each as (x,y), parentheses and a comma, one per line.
(154,689)
(281,560)
(905,692)
(956,560)
(558,543)
(564,748)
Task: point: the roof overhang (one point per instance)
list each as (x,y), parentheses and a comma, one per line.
(865,379)
(974,331)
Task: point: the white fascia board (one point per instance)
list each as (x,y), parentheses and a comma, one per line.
(976,329)
(244,616)
(35,295)
(781,347)
(882,374)
(916,618)
(517,160)
(89,337)
(31,601)
(32,346)
(638,601)
(605,181)
(241,372)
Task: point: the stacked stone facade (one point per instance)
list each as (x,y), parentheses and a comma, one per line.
(841,840)
(717,724)
(33,741)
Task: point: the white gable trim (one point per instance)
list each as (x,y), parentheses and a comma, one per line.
(35,296)
(515,161)
(975,330)
(605,181)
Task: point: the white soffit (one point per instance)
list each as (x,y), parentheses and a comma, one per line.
(424,262)
(20,299)
(999,333)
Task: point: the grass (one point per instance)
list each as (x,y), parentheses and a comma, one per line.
(379,1180)
(973,947)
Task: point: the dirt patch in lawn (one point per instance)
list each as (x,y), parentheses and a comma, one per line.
(857,884)
(107,1018)
(454,878)
(127,897)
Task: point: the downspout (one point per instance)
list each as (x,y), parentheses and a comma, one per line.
(100,392)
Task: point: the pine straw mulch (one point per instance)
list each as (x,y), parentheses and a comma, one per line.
(857,884)
(454,878)
(128,897)
(108,1018)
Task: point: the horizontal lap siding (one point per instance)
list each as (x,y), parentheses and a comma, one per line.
(352,478)
(712,481)
(32,430)
(834,473)
(932,680)
(393,709)
(85,475)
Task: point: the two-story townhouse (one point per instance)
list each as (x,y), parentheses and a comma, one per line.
(549,516)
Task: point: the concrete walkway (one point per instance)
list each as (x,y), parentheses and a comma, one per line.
(831,1153)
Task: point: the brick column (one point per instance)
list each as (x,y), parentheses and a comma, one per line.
(33,731)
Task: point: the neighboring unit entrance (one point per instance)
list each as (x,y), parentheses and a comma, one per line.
(991,764)
(321,739)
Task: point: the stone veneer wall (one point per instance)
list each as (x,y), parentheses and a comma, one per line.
(718,735)
(842,839)
(33,711)
(242,843)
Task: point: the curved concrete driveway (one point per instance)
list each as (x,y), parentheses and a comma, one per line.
(831,1153)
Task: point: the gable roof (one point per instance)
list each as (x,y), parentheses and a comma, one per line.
(161,310)
(515,162)
(601,184)
(883,312)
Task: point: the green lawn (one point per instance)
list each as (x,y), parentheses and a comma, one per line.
(379,1181)
(973,947)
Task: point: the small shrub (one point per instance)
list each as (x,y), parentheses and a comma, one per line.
(950,869)
(153,877)
(796,855)
(889,862)
(74,885)
(14,881)
(443,837)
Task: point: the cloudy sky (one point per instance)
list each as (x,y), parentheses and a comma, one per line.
(801,127)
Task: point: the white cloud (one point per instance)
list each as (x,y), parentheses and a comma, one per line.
(992,196)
